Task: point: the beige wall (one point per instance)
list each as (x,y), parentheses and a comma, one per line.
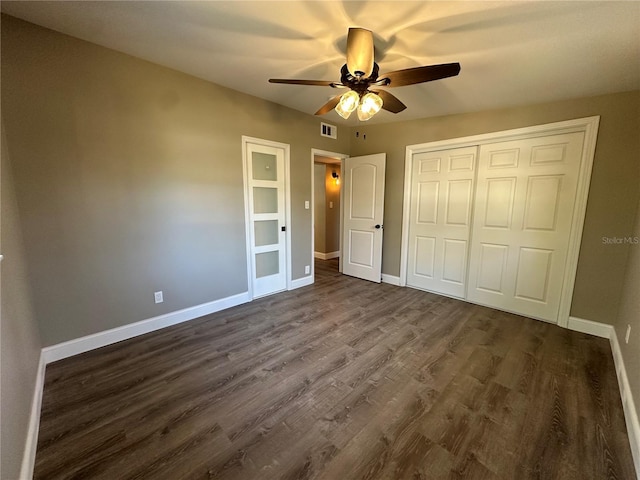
(332,227)
(630,313)
(327,217)
(320,210)
(129,180)
(19,338)
(615,183)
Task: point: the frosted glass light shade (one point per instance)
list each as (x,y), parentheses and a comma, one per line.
(369,106)
(347,104)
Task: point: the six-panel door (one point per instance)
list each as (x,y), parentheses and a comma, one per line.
(441,204)
(523,212)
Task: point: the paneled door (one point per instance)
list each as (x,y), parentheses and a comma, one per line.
(441,205)
(526,192)
(266,198)
(363,213)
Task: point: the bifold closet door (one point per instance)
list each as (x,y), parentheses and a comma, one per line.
(524,204)
(440,216)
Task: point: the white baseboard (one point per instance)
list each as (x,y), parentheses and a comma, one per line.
(31,442)
(101,339)
(392,279)
(588,326)
(301,282)
(628,404)
(326,256)
(630,413)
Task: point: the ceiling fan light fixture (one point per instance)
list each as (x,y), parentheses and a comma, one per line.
(361,73)
(347,104)
(369,106)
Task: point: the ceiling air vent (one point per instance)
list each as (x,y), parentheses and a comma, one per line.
(327,130)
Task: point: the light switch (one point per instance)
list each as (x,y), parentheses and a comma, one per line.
(306,204)
(330,204)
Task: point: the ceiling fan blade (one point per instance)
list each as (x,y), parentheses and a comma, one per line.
(411,76)
(330,105)
(319,83)
(360,52)
(390,102)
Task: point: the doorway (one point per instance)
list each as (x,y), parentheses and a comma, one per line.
(326,191)
(326,181)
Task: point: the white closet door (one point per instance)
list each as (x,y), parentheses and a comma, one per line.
(441,204)
(522,219)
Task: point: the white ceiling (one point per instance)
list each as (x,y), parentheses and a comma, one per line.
(511,53)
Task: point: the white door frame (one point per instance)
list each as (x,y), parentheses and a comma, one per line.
(588,125)
(338,156)
(247,213)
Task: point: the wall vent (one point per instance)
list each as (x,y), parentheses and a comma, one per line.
(327,130)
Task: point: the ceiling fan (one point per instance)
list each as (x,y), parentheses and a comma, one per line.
(360,76)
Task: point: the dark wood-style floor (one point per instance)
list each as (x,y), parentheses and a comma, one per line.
(344,379)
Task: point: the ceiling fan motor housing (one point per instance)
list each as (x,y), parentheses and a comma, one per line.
(360,84)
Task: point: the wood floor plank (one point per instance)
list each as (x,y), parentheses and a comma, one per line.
(343,379)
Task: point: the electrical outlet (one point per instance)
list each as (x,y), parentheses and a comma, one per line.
(307,269)
(158,297)
(626,337)
(306,204)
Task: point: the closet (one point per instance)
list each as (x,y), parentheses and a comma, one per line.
(496,219)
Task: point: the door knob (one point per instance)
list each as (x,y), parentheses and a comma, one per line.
(378,226)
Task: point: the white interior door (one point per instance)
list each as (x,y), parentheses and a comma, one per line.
(525,199)
(266,197)
(363,213)
(440,217)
